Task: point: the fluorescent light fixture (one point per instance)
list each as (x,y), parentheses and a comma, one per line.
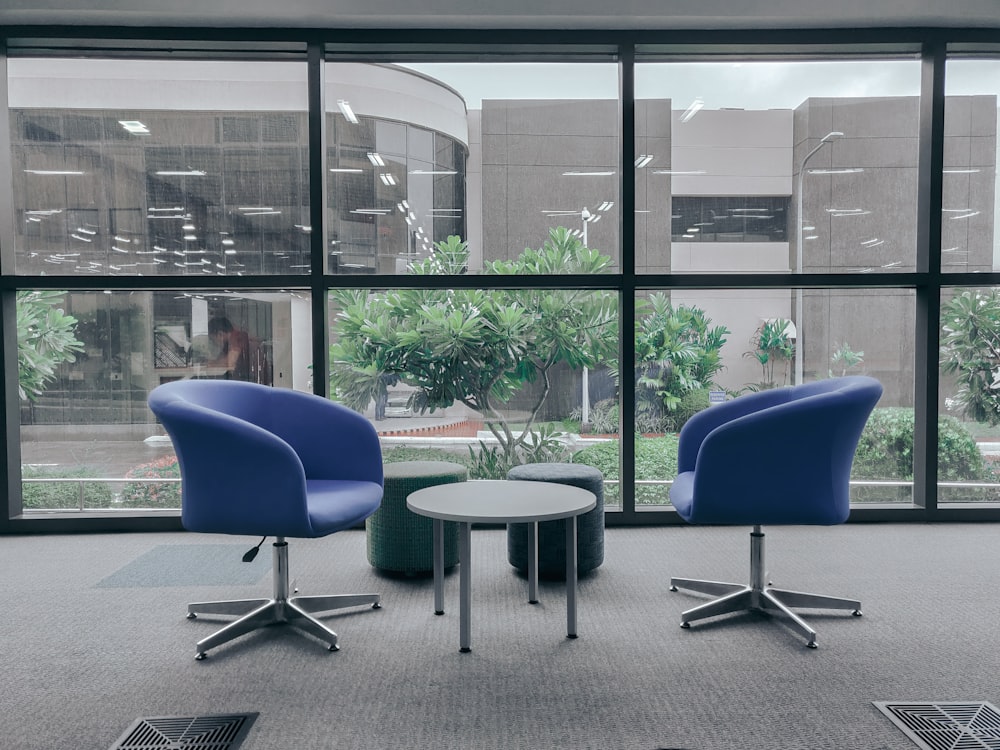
(688,236)
(873,241)
(43,211)
(808,229)
(813,237)
(692,109)
(172,209)
(54,171)
(387,178)
(82,239)
(190,237)
(961,171)
(964,216)
(122,239)
(181,173)
(188,227)
(371,211)
(230,252)
(263,212)
(134,127)
(678,171)
(433,171)
(957,210)
(642,161)
(228,242)
(588,174)
(255,208)
(347,170)
(348,113)
(606,206)
(376,159)
(86,231)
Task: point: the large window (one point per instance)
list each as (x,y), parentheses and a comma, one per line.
(477,246)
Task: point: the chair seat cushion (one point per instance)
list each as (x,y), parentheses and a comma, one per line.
(682,494)
(340,504)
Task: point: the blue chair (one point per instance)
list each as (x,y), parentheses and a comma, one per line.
(778,457)
(266,462)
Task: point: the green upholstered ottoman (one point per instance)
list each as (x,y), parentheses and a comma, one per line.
(398,539)
(551,534)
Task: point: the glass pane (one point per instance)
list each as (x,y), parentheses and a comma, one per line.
(776,167)
(697,347)
(969,428)
(518,149)
(143,167)
(88,439)
(488,378)
(969,206)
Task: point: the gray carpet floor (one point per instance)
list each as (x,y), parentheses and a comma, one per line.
(94,636)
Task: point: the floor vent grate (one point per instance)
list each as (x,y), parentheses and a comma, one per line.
(225,732)
(946,725)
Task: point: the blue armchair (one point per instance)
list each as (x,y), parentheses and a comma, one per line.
(266,462)
(810,432)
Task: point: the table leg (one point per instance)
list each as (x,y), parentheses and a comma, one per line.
(533,564)
(571,577)
(438,527)
(465,586)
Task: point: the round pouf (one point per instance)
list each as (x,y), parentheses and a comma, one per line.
(399,540)
(552,534)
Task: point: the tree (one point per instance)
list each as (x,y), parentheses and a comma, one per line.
(970,350)
(45,339)
(677,355)
(473,346)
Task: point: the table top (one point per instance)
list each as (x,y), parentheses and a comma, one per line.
(501,501)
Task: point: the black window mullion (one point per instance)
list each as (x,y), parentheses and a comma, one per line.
(317,218)
(928,294)
(626,303)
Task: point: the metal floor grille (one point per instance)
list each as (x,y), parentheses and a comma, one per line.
(224,732)
(946,726)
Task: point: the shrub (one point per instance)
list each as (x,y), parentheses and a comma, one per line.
(885,451)
(655,458)
(63,495)
(153,494)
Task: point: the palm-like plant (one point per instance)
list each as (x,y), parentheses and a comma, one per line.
(677,352)
(970,350)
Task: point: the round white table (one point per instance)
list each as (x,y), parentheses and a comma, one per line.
(500,501)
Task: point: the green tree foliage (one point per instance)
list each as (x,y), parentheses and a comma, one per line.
(45,339)
(473,346)
(970,350)
(677,354)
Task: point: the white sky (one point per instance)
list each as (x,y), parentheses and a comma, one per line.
(749,85)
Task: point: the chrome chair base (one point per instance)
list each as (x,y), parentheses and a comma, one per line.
(735,597)
(259,613)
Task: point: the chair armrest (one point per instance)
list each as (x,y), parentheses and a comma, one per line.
(789,463)
(697,428)
(238,477)
(331,440)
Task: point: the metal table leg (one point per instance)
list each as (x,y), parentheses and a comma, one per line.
(533,564)
(571,577)
(438,528)
(465,586)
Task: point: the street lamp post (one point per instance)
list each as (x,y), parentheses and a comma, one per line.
(799,222)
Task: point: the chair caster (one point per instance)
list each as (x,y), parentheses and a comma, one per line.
(334,647)
(685,625)
(377,605)
(673,588)
(812,644)
(857,613)
(200,656)
(192,616)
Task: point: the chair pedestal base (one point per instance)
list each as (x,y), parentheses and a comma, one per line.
(259,613)
(735,597)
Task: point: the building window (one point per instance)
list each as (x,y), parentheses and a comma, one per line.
(729,219)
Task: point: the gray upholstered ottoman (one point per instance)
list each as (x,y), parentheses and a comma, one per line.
(551,534)
(399,540)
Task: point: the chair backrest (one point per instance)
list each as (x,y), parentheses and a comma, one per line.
(246,452)
(781,456)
